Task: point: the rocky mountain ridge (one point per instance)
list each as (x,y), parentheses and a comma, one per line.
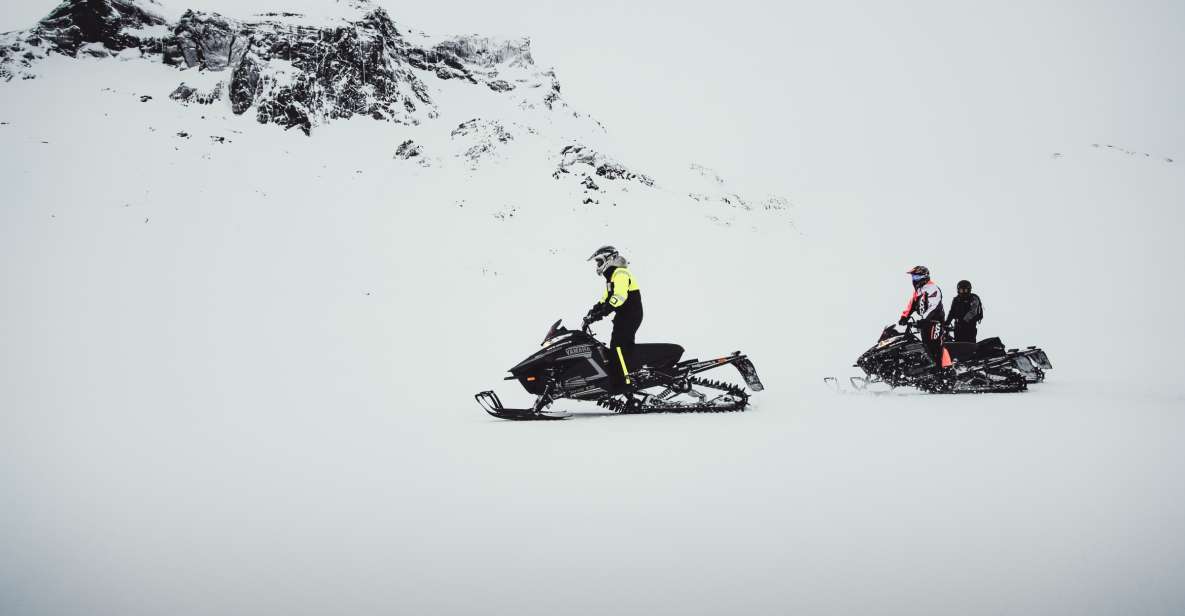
(288,69)
(471,102)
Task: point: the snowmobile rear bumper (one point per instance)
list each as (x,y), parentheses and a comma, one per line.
(1038,357)
(739,361)
(749,373)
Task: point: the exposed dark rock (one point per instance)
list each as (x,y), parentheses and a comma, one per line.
(484,135)
(183,93)
(76,22)
(408,149)
(590,184)
(244,85)
(477,126)
(206,40)
(339,72)
(602,165)
(145,98)
(286,71)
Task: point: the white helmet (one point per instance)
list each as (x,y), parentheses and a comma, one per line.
(606,257)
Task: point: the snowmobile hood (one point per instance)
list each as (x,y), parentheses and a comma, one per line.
(554,347)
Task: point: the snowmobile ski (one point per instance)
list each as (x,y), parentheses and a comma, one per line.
(493,405)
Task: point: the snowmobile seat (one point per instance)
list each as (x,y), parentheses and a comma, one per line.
(988,348)
(657,355)
(960,351)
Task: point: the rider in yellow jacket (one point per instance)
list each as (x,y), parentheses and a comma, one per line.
(623,298)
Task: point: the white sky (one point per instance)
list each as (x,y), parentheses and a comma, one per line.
(795,96)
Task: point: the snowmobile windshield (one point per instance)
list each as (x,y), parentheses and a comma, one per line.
(552,332)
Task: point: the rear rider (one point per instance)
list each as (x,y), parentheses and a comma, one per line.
(622,297)
(926,305)
(966,311)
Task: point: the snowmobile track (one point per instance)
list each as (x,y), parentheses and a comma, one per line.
(740,400)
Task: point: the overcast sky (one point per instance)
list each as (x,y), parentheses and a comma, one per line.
(795,95)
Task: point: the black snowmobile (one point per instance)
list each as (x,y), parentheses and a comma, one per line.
(574,364)
(900,359)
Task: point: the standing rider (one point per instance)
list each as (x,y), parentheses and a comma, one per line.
(966,311)
(926,303)
(623,297)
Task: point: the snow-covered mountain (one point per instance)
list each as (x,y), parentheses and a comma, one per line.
(238,359)
(463,99)
(283,67)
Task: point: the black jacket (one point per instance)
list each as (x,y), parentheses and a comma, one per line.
(966,310)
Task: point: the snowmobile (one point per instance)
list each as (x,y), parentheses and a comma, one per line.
(573,364)
(900,359)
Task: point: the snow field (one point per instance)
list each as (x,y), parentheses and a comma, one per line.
(237,378)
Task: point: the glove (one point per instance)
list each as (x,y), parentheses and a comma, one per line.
(902,321)
(596,313)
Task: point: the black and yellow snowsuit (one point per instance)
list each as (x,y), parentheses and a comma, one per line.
(623,297)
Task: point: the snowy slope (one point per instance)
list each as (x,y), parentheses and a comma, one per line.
(238,364)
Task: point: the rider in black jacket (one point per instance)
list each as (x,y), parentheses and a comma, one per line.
(966,311)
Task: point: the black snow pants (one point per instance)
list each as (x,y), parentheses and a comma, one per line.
(621,346)
(965,332)
(931,334)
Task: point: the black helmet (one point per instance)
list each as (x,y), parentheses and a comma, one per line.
(964,284)
(920,275)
